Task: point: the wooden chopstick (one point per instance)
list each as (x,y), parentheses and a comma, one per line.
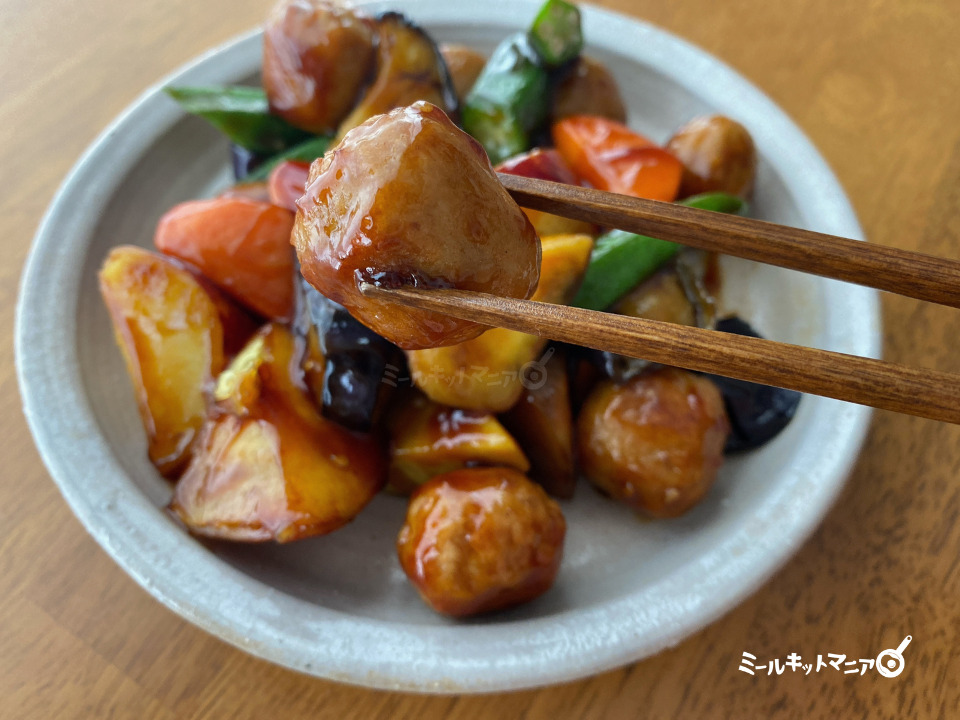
(912,274)
(890,386)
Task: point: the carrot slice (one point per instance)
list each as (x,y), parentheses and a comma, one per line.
(241,245)
(611,156)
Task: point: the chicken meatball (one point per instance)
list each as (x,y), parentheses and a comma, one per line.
(317,57)
(655,442)
(481,539)
(718,154)
(407,198)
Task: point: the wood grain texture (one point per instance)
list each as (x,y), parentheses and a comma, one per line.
(876,383)
(894,269)
(875,86)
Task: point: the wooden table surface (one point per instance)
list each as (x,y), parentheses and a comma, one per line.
(877,87)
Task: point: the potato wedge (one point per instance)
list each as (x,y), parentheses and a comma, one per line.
(169,330)
(542,422)
(486,373)
(268,465)
(428,439)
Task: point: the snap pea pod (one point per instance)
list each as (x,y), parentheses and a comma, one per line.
(620,259)
(307,151)
(242,114)
(556,34)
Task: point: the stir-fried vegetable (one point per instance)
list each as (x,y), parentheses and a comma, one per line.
(613,157)
(621,260)
(358,364)
(555,34)
(410,68)
(428,439)
(758,413)
(242,114)
(307,152)
(268,466)
(508,101)
(169,330)
(241,245)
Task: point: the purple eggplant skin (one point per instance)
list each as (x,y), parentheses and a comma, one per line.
(758,413)
(361,368)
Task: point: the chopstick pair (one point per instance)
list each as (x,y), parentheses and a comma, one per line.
(889,386)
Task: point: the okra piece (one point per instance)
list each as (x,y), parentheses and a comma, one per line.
(556,35)
(621,260)
(509,100)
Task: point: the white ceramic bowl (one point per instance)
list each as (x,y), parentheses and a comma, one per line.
(339,606)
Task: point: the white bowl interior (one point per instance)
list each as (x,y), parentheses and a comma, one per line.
(339,606)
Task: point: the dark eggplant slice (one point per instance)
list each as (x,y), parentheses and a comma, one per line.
(360,367)
(244,161)
(542,422)
(757,412)
(410,67)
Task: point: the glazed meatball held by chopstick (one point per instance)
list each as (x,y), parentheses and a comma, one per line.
(407,198)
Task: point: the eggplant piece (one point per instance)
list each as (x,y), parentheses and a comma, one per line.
(360,367)
(542,422)
(410,67)
(757,413)
(244,161)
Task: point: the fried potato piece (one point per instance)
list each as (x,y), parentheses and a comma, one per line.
(480,540)
(427,439)
(486,373)
(169,330)
(268,466)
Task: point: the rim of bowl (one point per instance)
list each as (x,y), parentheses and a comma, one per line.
(334,645)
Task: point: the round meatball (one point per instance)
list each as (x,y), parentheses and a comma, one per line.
(717,154)
(407,198)
(655,442)
(317,57)
(465,65)
(588,89)
(481,539)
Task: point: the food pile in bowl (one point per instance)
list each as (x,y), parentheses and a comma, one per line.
(280,399)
